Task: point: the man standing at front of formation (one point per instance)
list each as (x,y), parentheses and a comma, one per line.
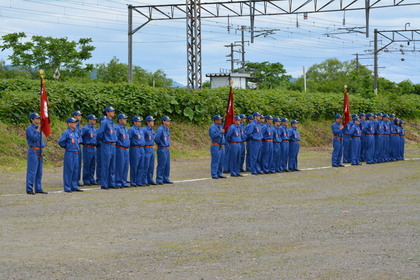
(163,140)
(70,140)
(77,115)
(294,146)
(89,151)
(337,130)
(254,135)
(122,154)
(149,153)
(234,138)
(35,155)
(106,133)
(217,137)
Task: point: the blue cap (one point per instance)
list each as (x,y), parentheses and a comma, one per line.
(242,116)
(276,119)
(284,120)
(149,118)
(101,118)
(338,116)
(402,122)
(269,117)
(262,116)
(392,116)
(166,119)
(71,120)
(362,115)
(238,118)
(109,109)
(356,119)
(379,114)
(256,114)
(136,119)
(34,116)
(294,122)
(217,117)
(77,113)
(250,117)
(396,120)
(354,115)
(92,117)
(122,116)
(385,115)
(368,115)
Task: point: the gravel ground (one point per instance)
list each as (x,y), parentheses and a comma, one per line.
(330,223)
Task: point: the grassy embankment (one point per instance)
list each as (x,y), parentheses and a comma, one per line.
(188,141)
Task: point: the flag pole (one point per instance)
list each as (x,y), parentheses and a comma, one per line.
(41,74)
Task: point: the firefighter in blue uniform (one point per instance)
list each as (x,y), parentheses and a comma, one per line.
(78,116)
(276,163)
(254,136)
(89,151)
(123,152)
(243,146)
(235,139)
(248,155)
(267,145)
(369,133)
(163,140)
(394,139)
(362,117)
(108,137)
(337,130)
(379,138)
(355,134)
(149,153)
(70,140)
(401,148)
(294,146)
(387,133)
(137,143)
(284,132)
(217,137)
(35,155)
(347,141)
(98,155)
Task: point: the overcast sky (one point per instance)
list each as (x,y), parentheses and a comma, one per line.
(296,42)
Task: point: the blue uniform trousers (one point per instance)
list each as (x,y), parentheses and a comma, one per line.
(401,148)
(346,148)
(247,158)
(385,153)
(34,170)
(355,150)
(254,154)
(98,165)
(276,163)
(337,153)
(89,163)
(234,158)
(241,165)
(362,148)
(121,167)
(164,165)
(284,154)
(393,144)
(149,165)
(136,165)
(379,145)
(267,156)
(71,170)
(293,155)
(226,159)
(370,149)
(216,164)
(108,154)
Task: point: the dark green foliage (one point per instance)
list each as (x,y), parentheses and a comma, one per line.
(20,97)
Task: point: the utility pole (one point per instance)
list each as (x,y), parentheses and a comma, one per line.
(357,62)
(375,62)
(232,59)
(130,43)
(304,78)
(242,42)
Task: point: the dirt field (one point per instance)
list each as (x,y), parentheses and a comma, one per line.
(328,223)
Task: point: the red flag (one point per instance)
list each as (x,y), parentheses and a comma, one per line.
(45,119)
(230,112)
(346,110)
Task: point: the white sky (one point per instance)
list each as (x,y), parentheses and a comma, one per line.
(162,44)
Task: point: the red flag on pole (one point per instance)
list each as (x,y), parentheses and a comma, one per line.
(230,112)
(346,110)
(45,119)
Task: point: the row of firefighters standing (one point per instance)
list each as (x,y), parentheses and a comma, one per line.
(368,137)
(270,146)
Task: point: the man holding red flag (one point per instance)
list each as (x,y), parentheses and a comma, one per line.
(229,120)
(347,124)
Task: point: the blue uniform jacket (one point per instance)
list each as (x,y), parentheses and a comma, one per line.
(337,132)
(284,133)
(136,135)
(277,134)
(242,127)
(89,135)
(369,128)
(33,137)
(268,132)
(387,128)
(234,134)
(355,131)
(163,137)
(106,132)
(149,136)
(294,134)
(70,140)
(122,135)
(253,131)
(215,135)
(379,127)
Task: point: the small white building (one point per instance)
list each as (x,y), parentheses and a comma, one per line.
(223,79)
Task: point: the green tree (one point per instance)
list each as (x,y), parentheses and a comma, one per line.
(48,53)
(406,87)
(6,73)
(268,75)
